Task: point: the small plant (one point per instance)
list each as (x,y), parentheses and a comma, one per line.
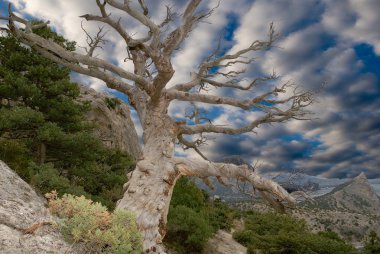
(111,102)
(372,243)
(90,224)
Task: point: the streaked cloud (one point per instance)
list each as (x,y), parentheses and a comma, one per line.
(322,41)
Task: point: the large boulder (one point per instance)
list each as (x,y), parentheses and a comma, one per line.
(113,123)
(22,209)
(223,243)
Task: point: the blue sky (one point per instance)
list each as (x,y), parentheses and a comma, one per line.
(322,41)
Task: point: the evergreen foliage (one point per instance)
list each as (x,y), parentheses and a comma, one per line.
(193,218)
(82,221)
(43,133)
(278,233)
(45,139)
(372,243)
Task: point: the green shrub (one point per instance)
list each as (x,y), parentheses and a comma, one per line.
(372,243)
(274,233)
(90,224)
(192,218)
(111,102)
(17,155)
(188,230)
(220,215)
(186,193)
(46,178)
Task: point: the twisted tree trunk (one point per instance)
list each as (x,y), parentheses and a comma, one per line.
(148,195)
(150,186)
(148,192)
(149,189)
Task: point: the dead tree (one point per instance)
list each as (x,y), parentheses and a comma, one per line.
(149,189)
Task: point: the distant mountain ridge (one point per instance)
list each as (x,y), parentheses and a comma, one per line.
(355,195)
(314,185)
(301,179)
(351,209)
(326,185)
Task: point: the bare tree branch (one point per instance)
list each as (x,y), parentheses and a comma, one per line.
(210,128)
(111,81)
(93,42)
(270,190)
(262,102)
(273,114)
(14,18)
(150,186)
(116,25)
(141,17)
(176,37)
(144,7)
(195,81)
(197,115)
(193,145)
(257,45)
(206,71)
(73,58)
(234,83)
(169,17)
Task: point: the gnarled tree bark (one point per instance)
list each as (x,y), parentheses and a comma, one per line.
(150,186)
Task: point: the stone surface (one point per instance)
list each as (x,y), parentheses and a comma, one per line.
(113,125)
(20,208)
(223,243)
(356,196)
(351,209)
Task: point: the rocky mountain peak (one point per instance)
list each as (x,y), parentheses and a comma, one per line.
(356,195)
(361,176)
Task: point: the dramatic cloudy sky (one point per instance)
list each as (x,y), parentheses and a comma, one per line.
(322,41)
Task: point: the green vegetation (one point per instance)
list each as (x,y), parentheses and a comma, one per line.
(276,233)
(372,243)
(193,218)
(91,225)
(44,137)
(111,102)
(43,133)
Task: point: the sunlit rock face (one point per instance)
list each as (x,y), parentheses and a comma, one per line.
(112,119)
(223,243)
(354,196)
(20,209)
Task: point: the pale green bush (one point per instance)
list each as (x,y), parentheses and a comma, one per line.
(90,224)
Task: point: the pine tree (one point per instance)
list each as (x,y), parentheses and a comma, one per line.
(43,135)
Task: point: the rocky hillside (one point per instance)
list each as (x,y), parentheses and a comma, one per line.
(113,121)
(351,209)
(21,211)
(353,196)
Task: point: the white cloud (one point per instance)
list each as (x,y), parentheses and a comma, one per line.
(354,21)
(316,46)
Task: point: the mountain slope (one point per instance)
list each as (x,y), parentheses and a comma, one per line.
(356,195)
